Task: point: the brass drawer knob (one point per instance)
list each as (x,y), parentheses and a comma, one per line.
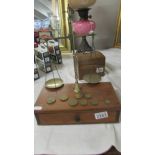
(77,118)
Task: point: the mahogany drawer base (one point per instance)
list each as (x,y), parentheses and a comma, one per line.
(60,113)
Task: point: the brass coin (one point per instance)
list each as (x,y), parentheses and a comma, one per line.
(94,102)
(72,102)
(107,101)
(83,102)
(63,98)
(51,100)
(78,95)
(88,96)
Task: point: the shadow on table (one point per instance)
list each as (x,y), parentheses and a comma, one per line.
(112,151)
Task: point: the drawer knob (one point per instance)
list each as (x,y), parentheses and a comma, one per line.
(77,118)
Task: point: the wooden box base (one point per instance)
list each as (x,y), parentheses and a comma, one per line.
(61,112)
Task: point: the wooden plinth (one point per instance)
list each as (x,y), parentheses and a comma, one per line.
(61,112)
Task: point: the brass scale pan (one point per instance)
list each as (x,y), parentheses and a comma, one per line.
(54,82)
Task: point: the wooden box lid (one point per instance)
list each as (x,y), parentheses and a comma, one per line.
(90,58)
(100,92)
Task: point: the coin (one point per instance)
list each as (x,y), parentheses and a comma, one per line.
(88,96)
(94,102)
(107,101)
(83,102)
(51,100)
(79,95)
(63,98)
(72,102)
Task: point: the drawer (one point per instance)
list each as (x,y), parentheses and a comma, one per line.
(76,117)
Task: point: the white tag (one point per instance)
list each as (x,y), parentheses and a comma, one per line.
(38,108)
(56,44)
(101,115)
(99,70)
(47,59)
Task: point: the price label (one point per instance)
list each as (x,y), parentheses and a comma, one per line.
(47,59)
(101,115)
(56,44)
(38,108)
(99,70)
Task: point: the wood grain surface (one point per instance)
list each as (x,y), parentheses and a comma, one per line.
(62,113)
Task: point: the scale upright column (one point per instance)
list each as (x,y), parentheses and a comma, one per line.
(77,87)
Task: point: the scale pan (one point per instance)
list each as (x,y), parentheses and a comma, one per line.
(92,78)
(54,83)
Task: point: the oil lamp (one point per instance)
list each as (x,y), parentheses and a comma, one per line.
(84,27)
